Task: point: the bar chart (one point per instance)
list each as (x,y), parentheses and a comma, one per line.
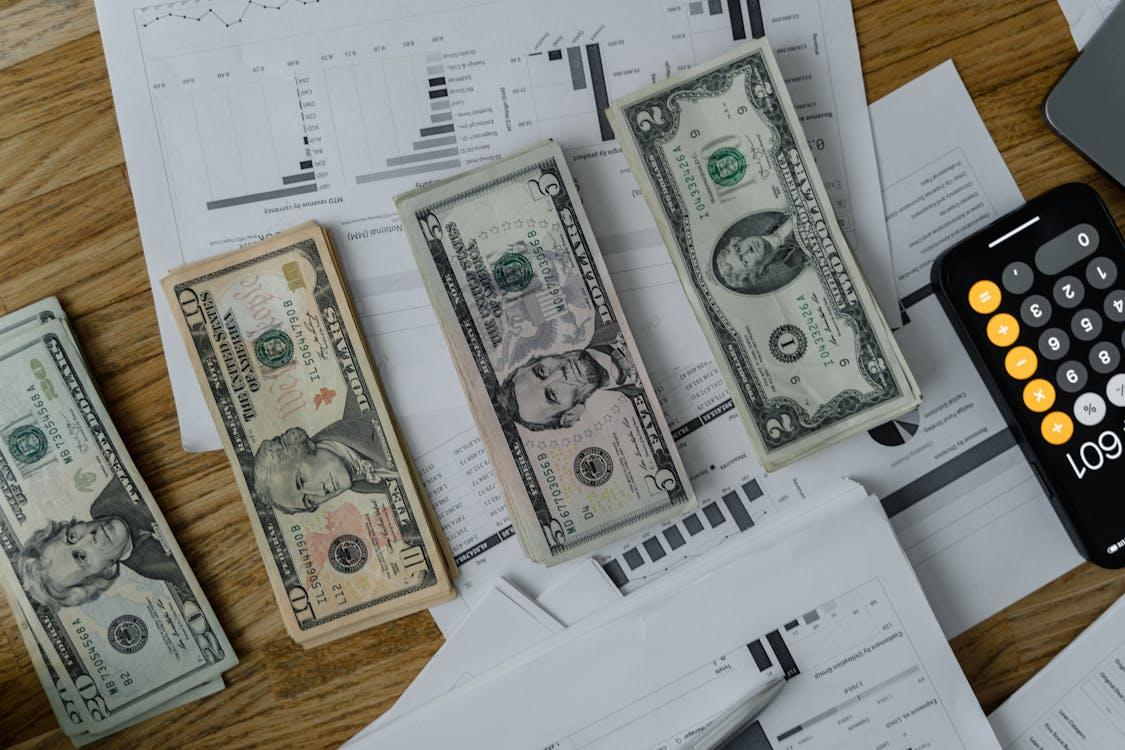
(570,90)
(245,143)
(852,674)
(421,113)
(716,520)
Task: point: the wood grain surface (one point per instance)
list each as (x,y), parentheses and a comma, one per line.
(67,227)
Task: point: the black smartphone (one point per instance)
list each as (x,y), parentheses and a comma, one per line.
(1038,299)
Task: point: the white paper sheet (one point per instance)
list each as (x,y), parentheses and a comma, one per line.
(504,623)
(587,591)
(957,488)
(1077,702)
(1085,17)
(827,601)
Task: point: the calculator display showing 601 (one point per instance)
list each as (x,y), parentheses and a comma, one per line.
(1093,455)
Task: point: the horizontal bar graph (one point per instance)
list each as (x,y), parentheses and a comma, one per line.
(395,161)
(437,150)
(264,196)
(389,174)
(435,142)
(437,130)
(259,142)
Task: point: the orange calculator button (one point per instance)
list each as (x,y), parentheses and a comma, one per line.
(1003,330)
(1039,395)
(984,297)
(1057,428)
(1021,363)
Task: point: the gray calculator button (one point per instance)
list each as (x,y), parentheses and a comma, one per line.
(1115,390)
(1089,409)
(1017,277)
(1054,343)
(1035,311)
(1115,306)
(1069,247)
(1104,357)
(1071,376)
(1069,292)
(1101,273)
(1086,325)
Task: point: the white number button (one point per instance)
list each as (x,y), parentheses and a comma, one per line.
(1069,292)
(1115,390)
(1115,306)
(1089,409)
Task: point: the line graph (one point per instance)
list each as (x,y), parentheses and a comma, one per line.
(212,13)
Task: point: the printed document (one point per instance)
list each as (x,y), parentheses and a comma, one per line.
(240,119)
(1077,702)
(825,601)
(505,623)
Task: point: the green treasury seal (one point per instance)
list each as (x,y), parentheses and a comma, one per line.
(27,444)
(274,348)
(512,272)
(726,166)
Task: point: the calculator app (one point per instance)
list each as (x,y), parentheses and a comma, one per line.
(1039,299)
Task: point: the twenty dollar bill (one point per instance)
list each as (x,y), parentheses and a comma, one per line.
(114,619)
(564,405)
(802,346)
(338,515)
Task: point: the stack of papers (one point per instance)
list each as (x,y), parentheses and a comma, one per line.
(826,601)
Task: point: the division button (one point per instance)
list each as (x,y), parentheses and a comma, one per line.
(1089,409)
(1072,376)
(1069,292)
(1035,311)
(1086,325)
(1003,330)
(1057,428)
(1021,363)
(1104,357)
(1017,277)
(1054,343)
(1115,306)
(1115,390)
(1101,273)
(984,297)
(1039,395)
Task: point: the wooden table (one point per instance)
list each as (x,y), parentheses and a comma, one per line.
(67,227)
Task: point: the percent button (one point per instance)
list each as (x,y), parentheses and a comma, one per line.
(1089,409)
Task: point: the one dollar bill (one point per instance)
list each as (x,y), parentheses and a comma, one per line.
(114,619)
(339,518)
(562,400)
(724,166)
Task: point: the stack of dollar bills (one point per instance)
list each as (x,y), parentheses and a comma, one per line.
(338,512)
(113,618)
(724,166)
(565,408)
